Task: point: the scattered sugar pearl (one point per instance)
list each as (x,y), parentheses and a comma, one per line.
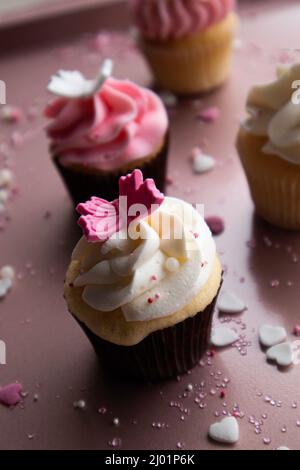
(6,178)
(7,272)
(80,404)
(169,99)
(115,442)
(116,422)
(150,300)
(102,410)
(30,436)
(209,115)
(284,429)
(274,283)
(11,114)
(189,387)
(172,265)
(36,397)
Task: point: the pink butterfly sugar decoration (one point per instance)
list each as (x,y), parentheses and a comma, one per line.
(141,192)
(100,219)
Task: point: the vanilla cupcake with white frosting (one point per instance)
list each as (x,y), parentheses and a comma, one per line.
(269,147)
(143,280)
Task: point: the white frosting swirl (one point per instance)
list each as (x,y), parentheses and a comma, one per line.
(275,115)
(157,269)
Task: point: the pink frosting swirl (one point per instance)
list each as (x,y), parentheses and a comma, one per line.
(171,19)
(121,123)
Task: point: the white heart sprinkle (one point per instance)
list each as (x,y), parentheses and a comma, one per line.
(283,448)
(271,335)
(203,163)
(230,303)
(169,99)
(282,354)
(223,336)
(226,431)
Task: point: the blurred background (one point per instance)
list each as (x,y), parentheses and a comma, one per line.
(7,5)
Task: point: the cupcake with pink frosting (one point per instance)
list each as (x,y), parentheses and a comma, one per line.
(101,129)
(143,281)
(188,43)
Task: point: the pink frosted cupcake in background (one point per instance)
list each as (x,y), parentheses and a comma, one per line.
(188,43)
(101,129)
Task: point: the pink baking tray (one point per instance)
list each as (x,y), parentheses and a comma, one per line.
(46,350)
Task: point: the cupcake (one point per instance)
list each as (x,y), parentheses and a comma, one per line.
(101,129)
(143,281)
(269,146)
(188,43)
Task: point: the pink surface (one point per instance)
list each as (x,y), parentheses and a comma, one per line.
(49,8)
(47,352)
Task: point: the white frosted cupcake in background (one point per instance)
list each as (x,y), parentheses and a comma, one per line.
(144,290)
(269,147)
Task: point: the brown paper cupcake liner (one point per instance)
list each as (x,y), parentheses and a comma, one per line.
(164,354)
(83,185)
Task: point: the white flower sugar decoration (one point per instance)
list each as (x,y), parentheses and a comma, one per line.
(73,85)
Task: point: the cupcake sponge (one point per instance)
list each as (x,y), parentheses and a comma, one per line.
(274,182)
(195,63)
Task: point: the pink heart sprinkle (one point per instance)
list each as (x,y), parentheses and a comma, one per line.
(216,224)
(209,115)
(10,395)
